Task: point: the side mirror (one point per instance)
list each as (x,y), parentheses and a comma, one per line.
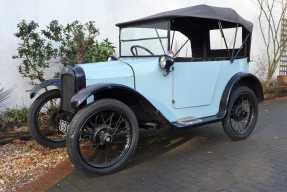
(165,63)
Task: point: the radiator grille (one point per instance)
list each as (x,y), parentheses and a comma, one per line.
(68,91)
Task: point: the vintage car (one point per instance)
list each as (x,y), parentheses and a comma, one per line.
(179,69)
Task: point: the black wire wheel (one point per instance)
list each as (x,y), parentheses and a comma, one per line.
(242,114)
(47,123)
(102,137)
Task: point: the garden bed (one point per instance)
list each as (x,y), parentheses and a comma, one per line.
(278,92)
(22,162)
(10,135)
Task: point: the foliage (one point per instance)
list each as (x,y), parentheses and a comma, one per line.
(270,28)
(100,51)
(72,43)
(34,50)
(13,118)
(78,42)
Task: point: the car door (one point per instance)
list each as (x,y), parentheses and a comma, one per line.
(194,76)
(194,83)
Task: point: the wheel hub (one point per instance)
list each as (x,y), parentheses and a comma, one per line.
(105,138)
(108,138)
(240,113)
(102,136)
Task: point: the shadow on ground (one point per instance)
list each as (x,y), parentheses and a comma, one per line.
(166,140)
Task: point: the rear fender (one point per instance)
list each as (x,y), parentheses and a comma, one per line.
(240,79)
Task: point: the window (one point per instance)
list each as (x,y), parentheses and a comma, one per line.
(180,45)
(217,41)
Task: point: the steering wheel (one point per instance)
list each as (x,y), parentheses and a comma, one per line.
(134,50)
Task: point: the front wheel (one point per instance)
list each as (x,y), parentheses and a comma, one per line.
(102,137)
(242,114)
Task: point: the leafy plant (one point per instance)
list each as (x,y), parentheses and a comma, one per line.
(18,116)
(77,42)
(34,50)
(100,51)
(12,118)
(73,43)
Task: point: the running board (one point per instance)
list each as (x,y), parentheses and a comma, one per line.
(196,122)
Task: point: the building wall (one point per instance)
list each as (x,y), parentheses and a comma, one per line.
(106,13)
(283,64)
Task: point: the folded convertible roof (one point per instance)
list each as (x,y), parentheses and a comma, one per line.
(198,11)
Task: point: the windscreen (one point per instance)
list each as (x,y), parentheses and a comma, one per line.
(144,40)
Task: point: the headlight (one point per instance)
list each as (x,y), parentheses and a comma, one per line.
(165,63)
(162,62)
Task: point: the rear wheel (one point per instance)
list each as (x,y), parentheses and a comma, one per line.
(242,114)
(102,137)
(46,121)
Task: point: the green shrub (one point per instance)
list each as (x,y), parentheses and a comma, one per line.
(73,43)
(77,42)
(13,118)
(35,51)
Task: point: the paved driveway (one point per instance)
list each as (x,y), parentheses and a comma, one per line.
(202,159)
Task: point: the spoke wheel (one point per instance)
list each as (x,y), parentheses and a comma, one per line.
(48,120)
(102,137)
(242,114)
(105,138)
(47,123)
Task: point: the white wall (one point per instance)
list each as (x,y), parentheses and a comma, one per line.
(106,13)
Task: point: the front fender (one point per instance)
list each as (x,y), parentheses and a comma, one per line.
(142,107)
(78,99)
(43,85)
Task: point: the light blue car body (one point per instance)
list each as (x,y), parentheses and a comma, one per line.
(193,90)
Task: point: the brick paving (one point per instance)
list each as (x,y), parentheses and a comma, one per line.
(202,160)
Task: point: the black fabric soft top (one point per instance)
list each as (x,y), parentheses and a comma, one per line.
(198,11)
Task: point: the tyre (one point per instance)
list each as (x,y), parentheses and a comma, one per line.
(44,120)
(103,137)
(242,114)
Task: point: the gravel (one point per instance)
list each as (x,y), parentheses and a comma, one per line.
(22,162)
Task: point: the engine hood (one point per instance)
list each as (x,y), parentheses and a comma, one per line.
(115,72)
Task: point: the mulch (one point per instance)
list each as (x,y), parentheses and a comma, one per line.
(27,166)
